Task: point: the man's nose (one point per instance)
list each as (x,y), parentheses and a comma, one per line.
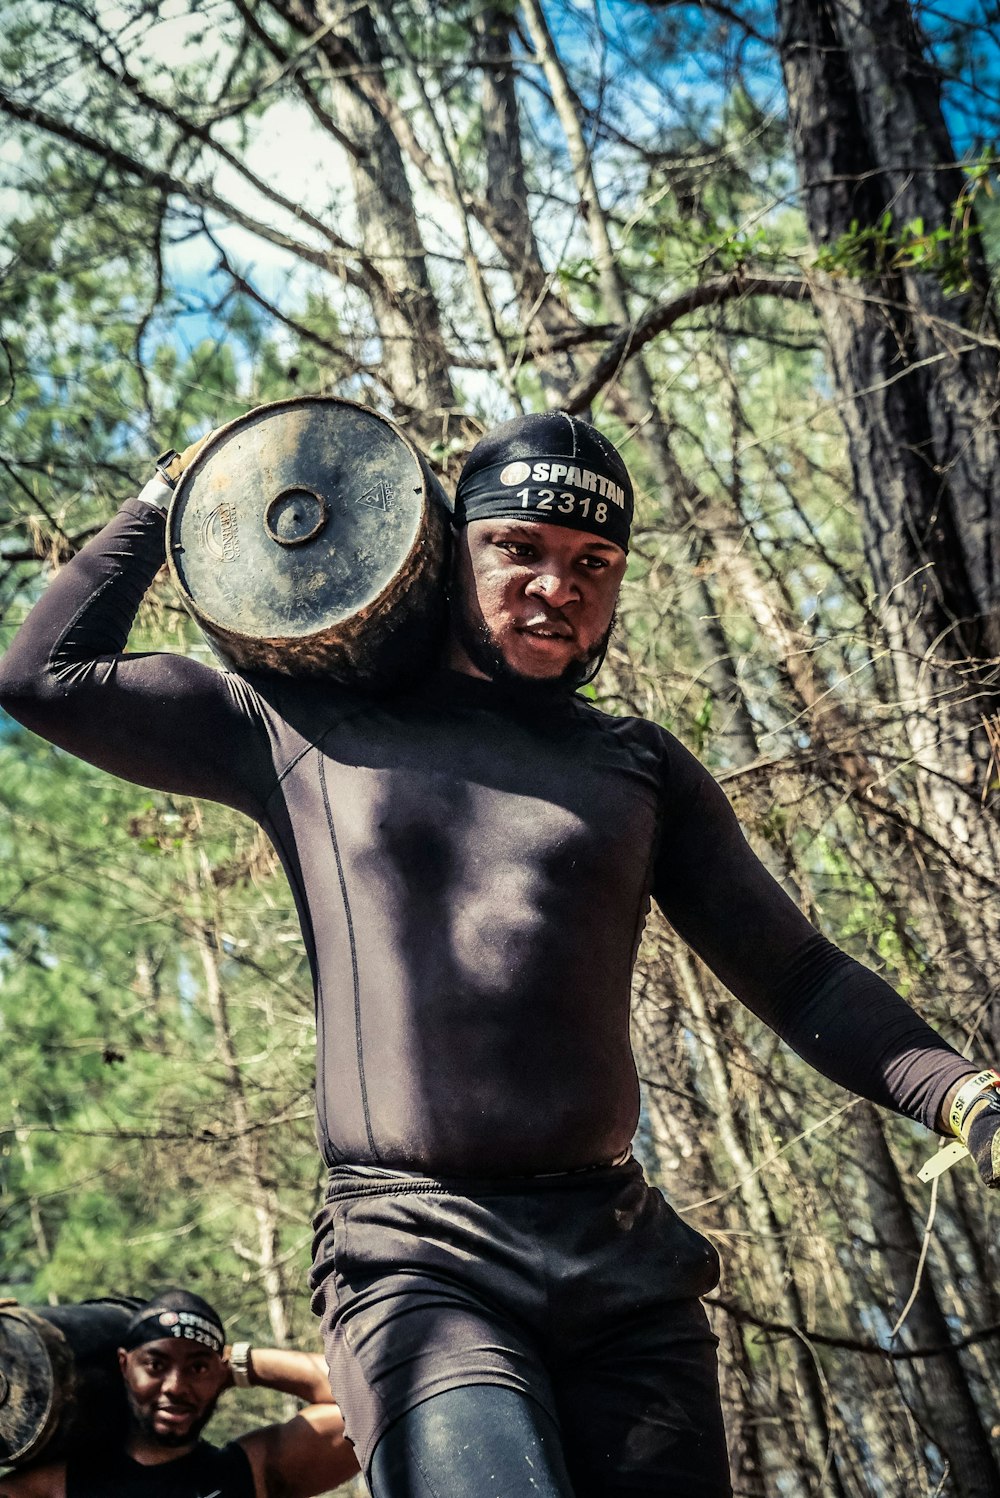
(174,1381)
(554,586)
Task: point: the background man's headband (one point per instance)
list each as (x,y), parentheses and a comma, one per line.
(177,1313)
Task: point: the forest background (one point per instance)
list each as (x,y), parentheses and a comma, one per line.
(758,244)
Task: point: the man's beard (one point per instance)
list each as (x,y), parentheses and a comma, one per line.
(143,1422)
(484,651)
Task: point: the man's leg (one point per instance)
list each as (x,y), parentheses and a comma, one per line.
(481,1441)
(630,1354)
(643,1415)
(431,1303)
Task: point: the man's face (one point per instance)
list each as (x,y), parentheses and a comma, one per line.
(172,1387)
(532,601)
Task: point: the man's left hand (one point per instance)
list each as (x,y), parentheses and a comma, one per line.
(982,1132)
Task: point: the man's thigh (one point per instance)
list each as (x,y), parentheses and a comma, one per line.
(421,1293)
(642,1414)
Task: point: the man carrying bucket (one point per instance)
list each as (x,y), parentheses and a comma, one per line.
(507,1305)
(175,1366)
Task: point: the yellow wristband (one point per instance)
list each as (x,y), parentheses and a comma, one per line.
(966,1095)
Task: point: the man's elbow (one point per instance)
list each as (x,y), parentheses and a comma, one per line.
(28,689)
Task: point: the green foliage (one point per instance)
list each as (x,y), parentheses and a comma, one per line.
(942,250)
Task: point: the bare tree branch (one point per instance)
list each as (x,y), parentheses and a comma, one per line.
(664,315)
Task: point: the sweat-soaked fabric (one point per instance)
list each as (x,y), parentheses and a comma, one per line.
(579,1293)
(472,870)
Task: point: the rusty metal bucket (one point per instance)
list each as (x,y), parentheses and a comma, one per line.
(310,537)
(60,1388)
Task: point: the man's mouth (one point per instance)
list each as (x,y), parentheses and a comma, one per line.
(174,1413)
(547,629)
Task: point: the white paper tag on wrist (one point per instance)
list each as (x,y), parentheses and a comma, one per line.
(942,1161)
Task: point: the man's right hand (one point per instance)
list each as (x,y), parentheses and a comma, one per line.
(170,465)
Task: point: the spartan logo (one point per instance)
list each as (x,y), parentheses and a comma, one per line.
(551,471)
(220,533)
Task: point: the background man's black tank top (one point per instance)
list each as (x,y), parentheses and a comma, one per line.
(206,1472)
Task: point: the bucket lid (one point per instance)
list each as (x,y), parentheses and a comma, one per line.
(29,1401)
(296,517)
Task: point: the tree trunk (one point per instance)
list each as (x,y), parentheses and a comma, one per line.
(406,311)
(924,438)
(543,315)
(920,394)
(947,1408)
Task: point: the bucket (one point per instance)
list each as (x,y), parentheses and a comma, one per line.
(310,537)
(60,1387)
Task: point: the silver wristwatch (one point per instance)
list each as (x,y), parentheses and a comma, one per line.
(241,1364)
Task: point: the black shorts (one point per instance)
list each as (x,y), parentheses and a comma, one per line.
(580,1291)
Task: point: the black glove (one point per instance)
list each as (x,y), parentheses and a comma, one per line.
(982,1133)
(170,465)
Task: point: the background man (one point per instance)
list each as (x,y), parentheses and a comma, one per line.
(175,1366)
(507,1306)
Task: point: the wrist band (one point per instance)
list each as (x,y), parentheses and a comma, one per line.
(969,1093)
(240,1364)
(984,1081)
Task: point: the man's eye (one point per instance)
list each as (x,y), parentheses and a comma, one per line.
(594,564)
(516,548)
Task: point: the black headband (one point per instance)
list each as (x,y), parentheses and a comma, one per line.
(557,490)
(152,1323)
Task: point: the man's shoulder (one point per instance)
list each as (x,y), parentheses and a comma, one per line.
(226,1468)
(650,745)
(299,711)
(627,727)
(39,1482)
(231,1460)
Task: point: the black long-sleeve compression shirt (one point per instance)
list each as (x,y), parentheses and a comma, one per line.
(472,874)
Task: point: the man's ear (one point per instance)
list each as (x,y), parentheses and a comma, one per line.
(455,550)
(225,1372)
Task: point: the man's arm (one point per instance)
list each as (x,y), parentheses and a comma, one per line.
(307,1454)
(162,720)
(41,1482)
(837,1014)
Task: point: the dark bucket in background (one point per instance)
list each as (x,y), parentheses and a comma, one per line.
(60,1388)
(310,537)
